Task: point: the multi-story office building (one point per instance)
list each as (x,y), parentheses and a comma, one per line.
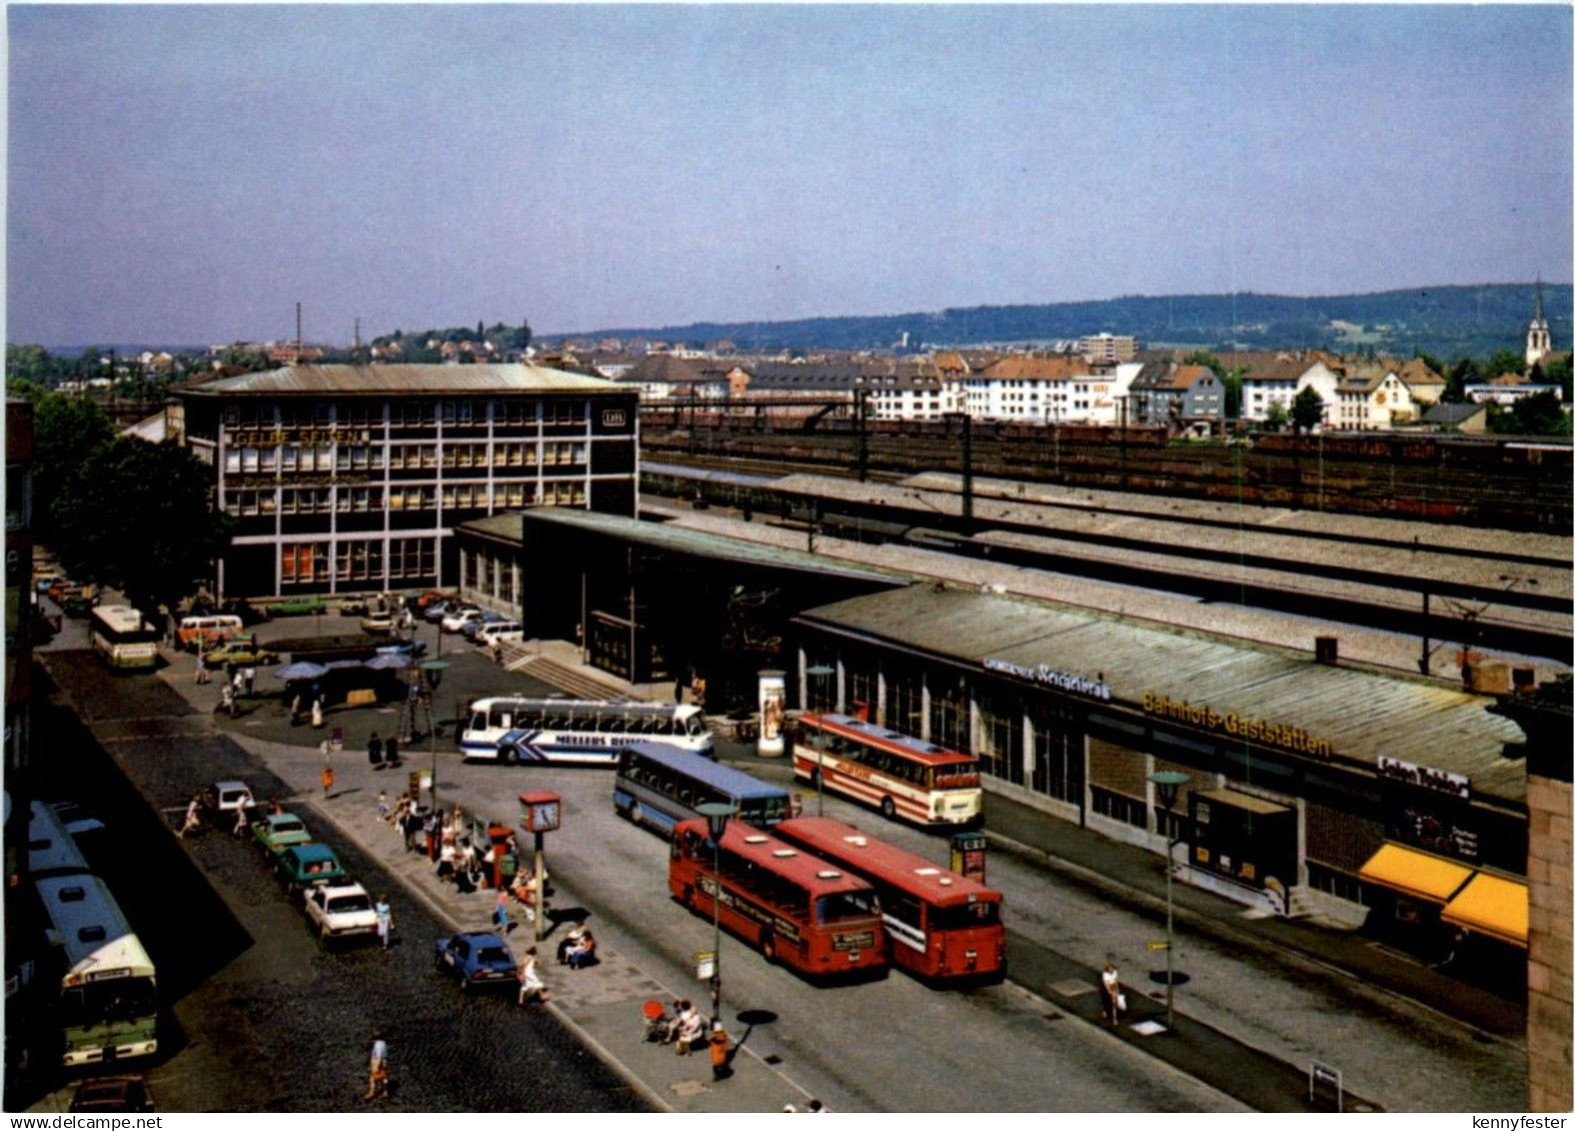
(351,479)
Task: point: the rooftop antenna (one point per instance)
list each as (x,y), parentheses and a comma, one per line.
(298,333)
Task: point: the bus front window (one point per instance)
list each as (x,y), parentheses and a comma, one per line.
(99,1002)
(845,905)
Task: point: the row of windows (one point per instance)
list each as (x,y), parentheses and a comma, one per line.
(405,414)
(319,458)
(399,497)
(302,563)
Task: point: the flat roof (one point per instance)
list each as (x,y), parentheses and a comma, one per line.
(682,540)
(1359,715)
(383,380)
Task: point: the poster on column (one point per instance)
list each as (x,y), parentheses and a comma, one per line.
(773,708)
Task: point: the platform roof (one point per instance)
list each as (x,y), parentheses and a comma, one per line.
(402,380)
(1360,714)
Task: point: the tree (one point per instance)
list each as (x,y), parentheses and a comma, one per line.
(135,516)
(1307,410)
(1277,417)
(1462,373)
(1502,362)
(67,432)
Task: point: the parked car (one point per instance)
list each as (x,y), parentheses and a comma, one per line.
(76,606)
(250,614)
(278,831)
(477,959)
(241,653)
(298,607)
(354,607)
(341,911)
(471,628)
(459,618)
(227,797)
(439,609)
(377,624)
(413,648)
(430,598)
(490,634)
(113,1093)
(303,866)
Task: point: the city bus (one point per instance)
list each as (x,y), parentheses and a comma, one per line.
(107,1006)
(897,774)
(944,928)
(576,731)
(123,638)
(794,908)
(51,849)
(657,786)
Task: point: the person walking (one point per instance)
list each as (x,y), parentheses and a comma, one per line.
(374,751)
(1110,991)
(377,1069)
(391,752)
(385,919)
(328,766)
(202,668)
(249,676)
(193,816)
(500,912)
(721,1054)
(243,823)
(532,988)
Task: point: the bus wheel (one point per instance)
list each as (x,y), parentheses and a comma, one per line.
(888,809)
(768,948)
(509,756)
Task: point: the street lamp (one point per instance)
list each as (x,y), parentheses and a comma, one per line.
(817,673)
(434,670)
(716,814)
(1169,782)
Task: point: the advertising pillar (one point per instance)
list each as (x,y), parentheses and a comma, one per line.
(773,713)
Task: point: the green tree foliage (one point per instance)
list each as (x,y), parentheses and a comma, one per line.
(135,516)
(1276,417)
(67,432)
(1502,362)
(1307,410)
(1541,414)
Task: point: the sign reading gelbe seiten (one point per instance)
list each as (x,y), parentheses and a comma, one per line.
(1266,732)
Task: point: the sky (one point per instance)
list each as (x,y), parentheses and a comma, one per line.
(185,175)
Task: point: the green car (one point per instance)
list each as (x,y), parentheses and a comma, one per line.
(304,866)
(241,654)
(303,606)
(279,831)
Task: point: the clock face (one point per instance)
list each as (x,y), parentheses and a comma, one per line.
(546,817)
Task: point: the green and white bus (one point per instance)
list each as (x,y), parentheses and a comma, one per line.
(107,1006)
(124,639)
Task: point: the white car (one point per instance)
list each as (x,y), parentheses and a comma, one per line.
(229,796)
(341,910)
(490,634)
(458,619)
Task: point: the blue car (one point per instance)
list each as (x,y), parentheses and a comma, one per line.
(477,959)
(470,630)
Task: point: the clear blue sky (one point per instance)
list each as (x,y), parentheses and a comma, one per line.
(186,174)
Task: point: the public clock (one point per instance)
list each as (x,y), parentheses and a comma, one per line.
(542,811)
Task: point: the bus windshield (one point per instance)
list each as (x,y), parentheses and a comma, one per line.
(115,999)
(764,810)
(845,905)
(963,916)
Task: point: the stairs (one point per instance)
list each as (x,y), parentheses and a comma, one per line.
(569,680)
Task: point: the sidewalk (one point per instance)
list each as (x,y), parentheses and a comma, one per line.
(602,1004)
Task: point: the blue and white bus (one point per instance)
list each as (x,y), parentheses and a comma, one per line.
(657,786)
(582,731)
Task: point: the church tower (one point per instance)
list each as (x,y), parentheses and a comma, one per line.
(1539,343)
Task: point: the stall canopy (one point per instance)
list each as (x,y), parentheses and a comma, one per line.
(1490,905)
(1415,873)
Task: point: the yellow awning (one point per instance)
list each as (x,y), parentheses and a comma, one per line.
(1490,905)
(1415,873)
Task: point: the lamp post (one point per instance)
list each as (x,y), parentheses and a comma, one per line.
(1169,782)
(434,670)
(817,673)
(716,814)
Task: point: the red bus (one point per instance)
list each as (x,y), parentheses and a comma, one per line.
(893,772)
(797,909)
(943,927)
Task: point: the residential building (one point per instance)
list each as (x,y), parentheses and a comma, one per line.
(1372,397)
(1183,398)
(345,478)
(1468,419)
(1426,385)
(1506,391)
(1108,349)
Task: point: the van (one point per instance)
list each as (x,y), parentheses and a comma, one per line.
(489,634)
(207,631)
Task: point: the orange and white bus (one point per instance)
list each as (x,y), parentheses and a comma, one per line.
(944,928)
(794,907)
(895,773)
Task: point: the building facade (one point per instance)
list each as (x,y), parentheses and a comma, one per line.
(351,479)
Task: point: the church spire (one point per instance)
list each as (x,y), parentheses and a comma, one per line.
(1539,342)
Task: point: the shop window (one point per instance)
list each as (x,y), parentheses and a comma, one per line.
(1120,807)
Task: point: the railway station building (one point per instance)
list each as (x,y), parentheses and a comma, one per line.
(1314,789)
(351,479)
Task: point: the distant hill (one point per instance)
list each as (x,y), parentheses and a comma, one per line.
(1448,322)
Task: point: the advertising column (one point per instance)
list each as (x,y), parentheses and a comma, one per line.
(773,710)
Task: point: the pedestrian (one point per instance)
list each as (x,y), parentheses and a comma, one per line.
(327,750)
(374,751)
(500,912)
(249,675)
(242,822)
(391,751)
(721,1054)
(254,643)
(227,700)
(317,713)
(238,681)
(431,827)
(385,919)
(377,1068)
(532,988)
(202,669)
(295,709)
(193,816)
(412,827)
(1110,990)
(382,805)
